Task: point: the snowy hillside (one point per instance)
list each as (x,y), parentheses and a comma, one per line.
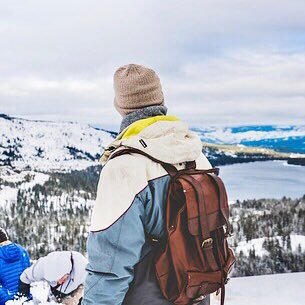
(281,138)
(268,236)
(11,182)
(50,146)
(257,244)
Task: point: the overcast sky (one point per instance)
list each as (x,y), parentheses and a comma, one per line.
(220,61)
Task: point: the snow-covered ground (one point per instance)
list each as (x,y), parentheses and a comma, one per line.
(40,293)
(277,289)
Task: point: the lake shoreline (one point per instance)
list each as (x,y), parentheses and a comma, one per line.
(225,154)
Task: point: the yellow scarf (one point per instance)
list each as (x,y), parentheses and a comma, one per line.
(136,127)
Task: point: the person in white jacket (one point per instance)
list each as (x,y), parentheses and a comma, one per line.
(130,206)
(64,271)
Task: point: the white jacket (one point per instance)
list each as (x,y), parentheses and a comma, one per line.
(54,266)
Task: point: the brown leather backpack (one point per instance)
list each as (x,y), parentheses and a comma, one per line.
(195,259)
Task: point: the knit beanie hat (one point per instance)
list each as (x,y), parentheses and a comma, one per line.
(3,235)
(136,87)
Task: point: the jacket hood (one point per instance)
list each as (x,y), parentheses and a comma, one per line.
(165,138)
(10,253)
(56,265)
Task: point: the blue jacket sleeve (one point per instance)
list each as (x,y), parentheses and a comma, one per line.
(113,252)
(4,296)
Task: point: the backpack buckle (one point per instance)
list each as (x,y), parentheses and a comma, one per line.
(207,241)
(199,299)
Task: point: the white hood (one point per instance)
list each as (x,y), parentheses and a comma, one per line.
(56,265)
(168,141)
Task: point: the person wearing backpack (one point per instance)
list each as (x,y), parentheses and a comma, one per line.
(132,216)
(13,260)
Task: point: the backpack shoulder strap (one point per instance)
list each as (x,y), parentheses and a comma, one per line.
(171,169)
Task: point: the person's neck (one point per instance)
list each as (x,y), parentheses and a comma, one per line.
(142,113)
(5,243)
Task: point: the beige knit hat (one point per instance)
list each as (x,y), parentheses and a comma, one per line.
(136,87)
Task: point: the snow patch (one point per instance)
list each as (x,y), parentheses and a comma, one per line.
(257,244)
(40,292)
(24,179)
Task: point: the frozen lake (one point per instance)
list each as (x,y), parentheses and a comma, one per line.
(268,179)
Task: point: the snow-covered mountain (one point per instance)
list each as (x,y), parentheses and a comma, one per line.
(50,146)
(289,138)
(63,146)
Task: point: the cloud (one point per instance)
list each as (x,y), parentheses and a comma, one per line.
(220,61)
(27,85)
(242,87)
